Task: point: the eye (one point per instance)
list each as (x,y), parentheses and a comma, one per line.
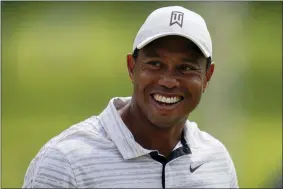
(186,67)
(155,63)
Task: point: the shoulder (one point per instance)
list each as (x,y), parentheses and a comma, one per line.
(87,134)
(203,141)
(212,149)
(83,135)
(49,170)
(55,157)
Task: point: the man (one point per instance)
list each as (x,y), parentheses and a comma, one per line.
(146,141)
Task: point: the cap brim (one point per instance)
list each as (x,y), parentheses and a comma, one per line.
(191,38)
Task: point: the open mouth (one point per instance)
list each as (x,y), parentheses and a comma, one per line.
(166,100)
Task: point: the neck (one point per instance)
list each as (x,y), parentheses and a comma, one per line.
(148,135)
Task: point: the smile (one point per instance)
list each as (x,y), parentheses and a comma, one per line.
(167,100)
(166,103)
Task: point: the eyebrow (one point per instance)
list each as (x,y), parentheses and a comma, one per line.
(151,53)
(190,60)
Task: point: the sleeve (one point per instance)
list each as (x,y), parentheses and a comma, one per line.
(232,172)
(51,170)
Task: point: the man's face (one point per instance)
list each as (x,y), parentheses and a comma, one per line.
(169,77)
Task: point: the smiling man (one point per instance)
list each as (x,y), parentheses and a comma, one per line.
(146,141)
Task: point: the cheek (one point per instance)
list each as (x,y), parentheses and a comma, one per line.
(142,82)
(194,86)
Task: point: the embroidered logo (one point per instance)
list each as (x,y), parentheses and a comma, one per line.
(177,18)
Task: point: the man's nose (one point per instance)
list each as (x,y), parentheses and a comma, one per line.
(168,80)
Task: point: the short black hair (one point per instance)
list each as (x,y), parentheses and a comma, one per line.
(136,52)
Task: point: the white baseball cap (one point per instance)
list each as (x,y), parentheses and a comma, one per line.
(175,20)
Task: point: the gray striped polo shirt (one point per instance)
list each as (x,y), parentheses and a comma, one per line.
(100,152)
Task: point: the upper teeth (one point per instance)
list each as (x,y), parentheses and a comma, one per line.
(166,99)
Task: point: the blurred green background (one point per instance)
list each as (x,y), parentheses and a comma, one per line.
(63,61)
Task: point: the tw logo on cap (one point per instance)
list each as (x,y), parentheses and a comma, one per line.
(176,18)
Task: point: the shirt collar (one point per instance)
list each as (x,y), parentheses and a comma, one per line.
(119,132)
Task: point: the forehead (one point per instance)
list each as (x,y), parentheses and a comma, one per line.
(173,44)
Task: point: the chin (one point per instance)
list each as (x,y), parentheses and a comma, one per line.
(163,123)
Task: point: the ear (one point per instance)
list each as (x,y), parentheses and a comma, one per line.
(208,75)
(131,66)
